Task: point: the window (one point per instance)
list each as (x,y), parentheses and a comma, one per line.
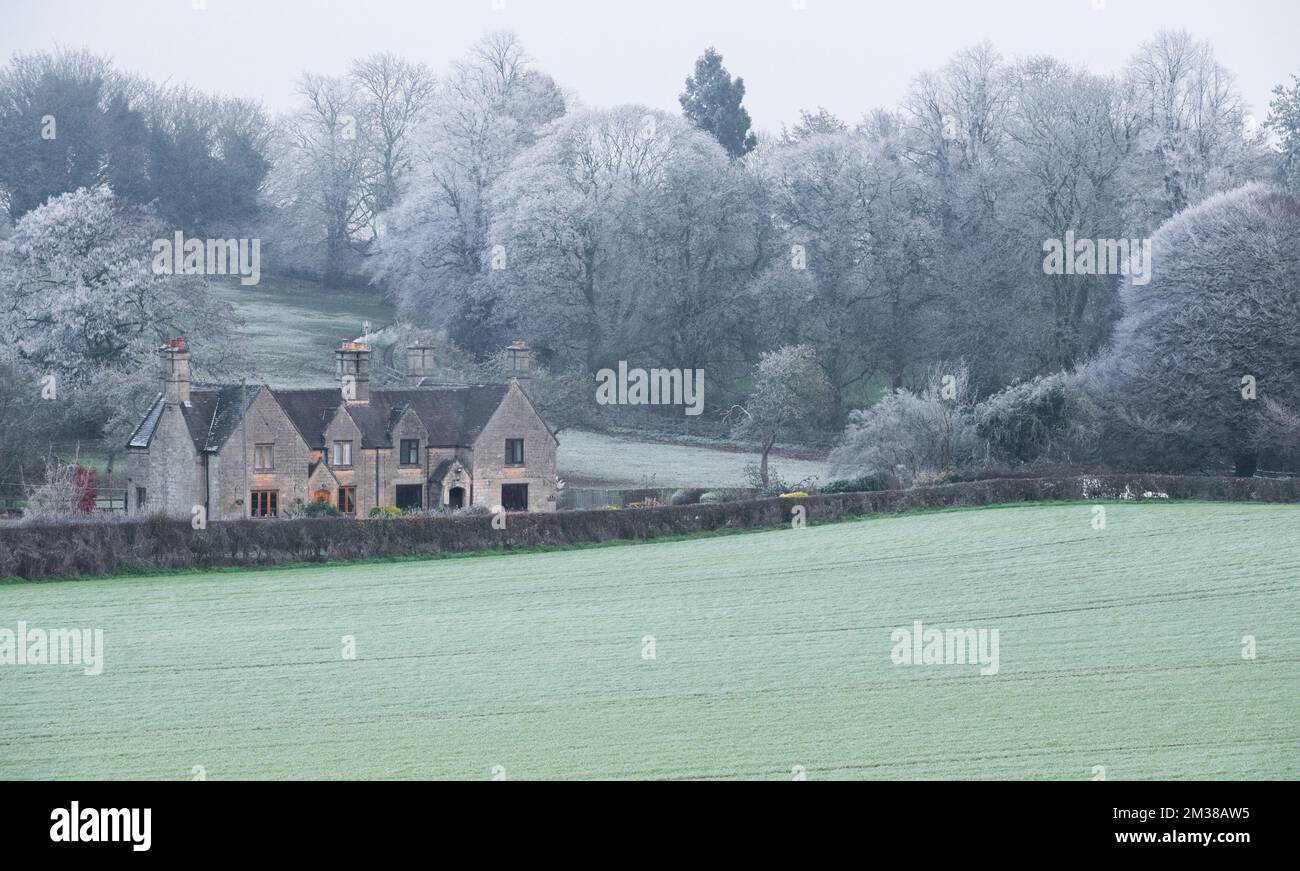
(514,452)
(342,454)
(348,500)
(139,498)
(263,503)
(410,496)
(410,454)
(263,457)
(514,497)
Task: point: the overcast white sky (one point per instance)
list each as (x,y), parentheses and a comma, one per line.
(848,56)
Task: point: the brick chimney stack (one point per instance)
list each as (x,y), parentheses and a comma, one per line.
(175,371)
(420,363)
(519,360)
(352,368)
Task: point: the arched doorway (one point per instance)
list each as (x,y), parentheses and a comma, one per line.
(456,497)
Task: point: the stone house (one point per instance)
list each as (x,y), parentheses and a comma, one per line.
(255,451)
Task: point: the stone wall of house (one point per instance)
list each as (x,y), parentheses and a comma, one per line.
(361,474)
(264,423)
(515,419)
(170,469)
(392,472)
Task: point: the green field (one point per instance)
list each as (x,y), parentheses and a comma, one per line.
(1119,648)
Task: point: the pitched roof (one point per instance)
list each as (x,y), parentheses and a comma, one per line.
(452,415)
(144,432)
(211,416)
(323,467)
(214,414)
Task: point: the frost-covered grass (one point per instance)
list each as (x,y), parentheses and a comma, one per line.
(1119,648)
(292,327)
(619,461)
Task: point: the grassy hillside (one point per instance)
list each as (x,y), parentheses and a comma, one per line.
(292,327)
(1119,648)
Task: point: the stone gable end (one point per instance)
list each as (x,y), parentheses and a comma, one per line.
(361,474)
(169,470)
(515,418)
(264,423)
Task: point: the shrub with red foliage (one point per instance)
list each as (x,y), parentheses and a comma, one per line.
(86,489)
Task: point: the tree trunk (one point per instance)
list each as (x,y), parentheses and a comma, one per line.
(332,274)
(762,465)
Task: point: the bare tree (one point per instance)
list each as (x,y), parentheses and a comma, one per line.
(790,395)
(394,96)
(1072,135)
(332,179)
(1194,116)
(481,115)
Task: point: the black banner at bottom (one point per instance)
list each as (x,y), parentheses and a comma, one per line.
(85,820)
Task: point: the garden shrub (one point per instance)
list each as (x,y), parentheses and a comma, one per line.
(320,508)
(913,435)
(862,484)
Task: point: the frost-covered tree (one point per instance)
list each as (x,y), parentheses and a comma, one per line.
(1069,138)
(817,291)
(325,177)
(791,396)
(957,125)
(913,436)
(955,132)
(393,95)
(811,124)
(342,160)
(433,252)
(853,277)
(1284,120)
(82,304)
(68,492)
(691,243)
(712,101)
(1193,139)
(616,226)
(1206,360)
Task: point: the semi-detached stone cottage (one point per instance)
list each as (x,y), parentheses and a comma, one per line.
(253,451)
